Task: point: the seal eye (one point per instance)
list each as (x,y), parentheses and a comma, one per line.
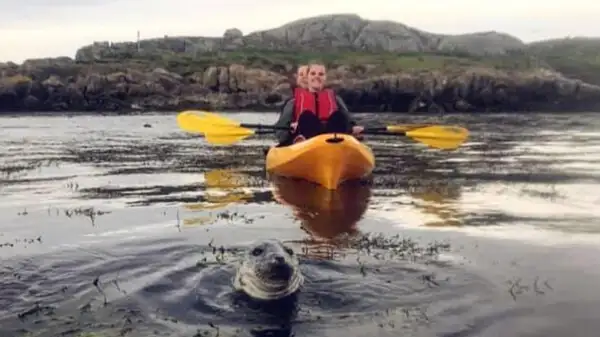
(289,251)
(256,251)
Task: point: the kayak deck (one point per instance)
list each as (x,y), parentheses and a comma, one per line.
(326,159)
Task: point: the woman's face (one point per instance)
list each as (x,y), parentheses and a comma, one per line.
(302,77)
(316,76)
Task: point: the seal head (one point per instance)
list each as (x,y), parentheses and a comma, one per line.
(268,271)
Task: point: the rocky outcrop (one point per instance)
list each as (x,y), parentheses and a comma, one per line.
(340,32)
(374,66)
(63,84)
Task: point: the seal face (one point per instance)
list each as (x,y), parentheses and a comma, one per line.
(269,271)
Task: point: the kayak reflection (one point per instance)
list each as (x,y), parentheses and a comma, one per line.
(327,216)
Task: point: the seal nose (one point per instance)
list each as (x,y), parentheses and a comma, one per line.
(279,268)
(278,259)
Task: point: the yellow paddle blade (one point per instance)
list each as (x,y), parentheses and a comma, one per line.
(405,127)
(440,136)
(219,139)
(192,121)
(199,113)
(215,119)
(216,129)
(202,121)
(205,118)
(223,135)
(189,122)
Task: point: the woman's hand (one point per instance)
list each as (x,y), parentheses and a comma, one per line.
(299,138)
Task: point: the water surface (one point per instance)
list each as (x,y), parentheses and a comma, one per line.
(113,227)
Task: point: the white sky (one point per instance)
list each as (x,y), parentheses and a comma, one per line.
(48,28)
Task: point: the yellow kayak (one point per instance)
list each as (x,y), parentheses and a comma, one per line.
(327,160)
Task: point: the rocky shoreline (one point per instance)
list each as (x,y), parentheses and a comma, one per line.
(63,84)
(375,66)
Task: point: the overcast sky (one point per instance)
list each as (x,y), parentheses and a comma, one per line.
(45,28)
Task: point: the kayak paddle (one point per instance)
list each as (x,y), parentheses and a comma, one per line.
(188,121)
(224,131)
(216,129)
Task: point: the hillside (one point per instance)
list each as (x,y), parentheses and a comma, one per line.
(347,39)
(328,33)
(373,65)
(574,57)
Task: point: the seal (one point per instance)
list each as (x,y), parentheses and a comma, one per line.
(269,271)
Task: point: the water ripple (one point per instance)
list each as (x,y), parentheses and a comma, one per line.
(112,227)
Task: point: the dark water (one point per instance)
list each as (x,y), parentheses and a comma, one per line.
(121,230)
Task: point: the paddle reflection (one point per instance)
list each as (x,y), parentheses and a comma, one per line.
(329,217)
(427,178)
(222,189)
(439,200)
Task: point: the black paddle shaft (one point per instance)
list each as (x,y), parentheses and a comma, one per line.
(264,129)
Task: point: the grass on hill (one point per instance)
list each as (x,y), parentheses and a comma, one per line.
(284,61)
(575,57)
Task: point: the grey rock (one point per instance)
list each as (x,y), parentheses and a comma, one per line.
(320,33)
(63,84)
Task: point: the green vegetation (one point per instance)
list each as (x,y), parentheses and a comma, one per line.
(16,79)
(574,57)
(359,62)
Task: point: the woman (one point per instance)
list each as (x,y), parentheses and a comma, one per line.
(313,110)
